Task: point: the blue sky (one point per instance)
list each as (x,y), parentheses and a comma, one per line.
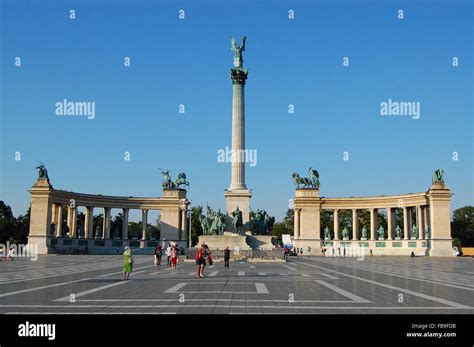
(297,62)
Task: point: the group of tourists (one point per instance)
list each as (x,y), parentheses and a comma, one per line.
(172,253)
(203,257)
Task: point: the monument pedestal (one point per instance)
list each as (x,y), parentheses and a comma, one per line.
(220,242)
(240,199)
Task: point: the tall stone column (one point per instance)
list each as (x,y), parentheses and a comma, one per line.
(389,223)
(406,223)
(336,224)
(125,224)
(373,223)
(89,222)
(355,225)
(144,223)
(59,226)
(237,195)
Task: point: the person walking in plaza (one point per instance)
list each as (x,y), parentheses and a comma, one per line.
(158,255)
(200,261)
(168,254)
(127,263)
(226,257)
(174,258)
(178,253)
(309,251)
(11,254)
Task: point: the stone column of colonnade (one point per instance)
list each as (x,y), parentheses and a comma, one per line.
(106,224)
(373,223)
(89,222)
(59,220)
(355,224)
(336,224)
(405,223)
(125,224)
(144,223)
(420,222)
(389,223)
(71,220)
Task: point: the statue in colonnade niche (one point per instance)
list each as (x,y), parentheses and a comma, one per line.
(414,232)
(345,234)
(65,232)
(98,232)
(52,229)
(364,233)
(80,232)
(398,233)
(116,232)
(327,233)
(381,233)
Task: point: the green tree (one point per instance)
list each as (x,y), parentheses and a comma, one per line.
(22,227)
(364,219)
(462,225)
(196,229)
(289,221)
(7,222)
(278,230)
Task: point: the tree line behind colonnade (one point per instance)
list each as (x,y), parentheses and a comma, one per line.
(16,229)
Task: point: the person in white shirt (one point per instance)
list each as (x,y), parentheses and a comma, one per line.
(168,254)
(11,254)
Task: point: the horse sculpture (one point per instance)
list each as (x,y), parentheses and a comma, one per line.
(181,180)
(311,182)
(297,180)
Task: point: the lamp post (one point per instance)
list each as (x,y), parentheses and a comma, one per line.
(190,227)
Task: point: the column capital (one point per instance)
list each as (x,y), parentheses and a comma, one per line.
(238,76)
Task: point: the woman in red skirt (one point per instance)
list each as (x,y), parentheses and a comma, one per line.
(174,258)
